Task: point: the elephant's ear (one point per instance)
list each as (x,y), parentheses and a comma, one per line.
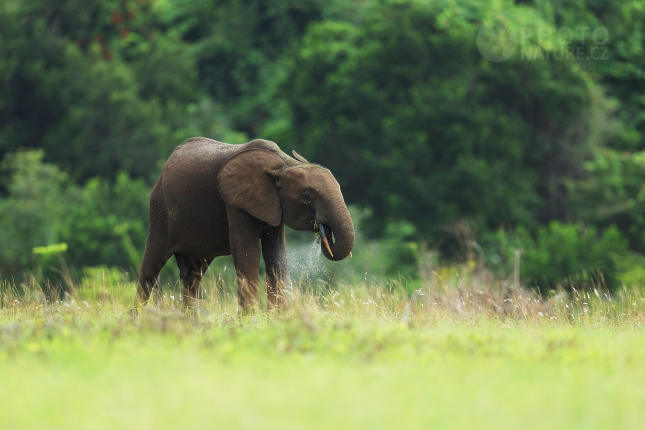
(299,157)
(247,181)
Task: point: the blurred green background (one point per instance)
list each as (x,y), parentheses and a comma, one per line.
(444,156)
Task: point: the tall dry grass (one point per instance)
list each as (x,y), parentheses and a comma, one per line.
(464,292)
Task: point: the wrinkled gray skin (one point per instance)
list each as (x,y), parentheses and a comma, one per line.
(215,199)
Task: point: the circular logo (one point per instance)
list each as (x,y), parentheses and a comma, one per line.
(496,42)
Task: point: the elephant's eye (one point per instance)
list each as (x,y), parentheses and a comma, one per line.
(307,197)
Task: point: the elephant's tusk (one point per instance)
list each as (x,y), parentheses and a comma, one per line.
(327,246)
(350,254)
(324,239)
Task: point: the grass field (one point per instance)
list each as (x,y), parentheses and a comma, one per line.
(365,356)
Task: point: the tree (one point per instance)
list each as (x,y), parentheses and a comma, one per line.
(94,86)
(418,125)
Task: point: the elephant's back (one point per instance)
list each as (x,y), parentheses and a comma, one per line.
(200,151)
(196,216)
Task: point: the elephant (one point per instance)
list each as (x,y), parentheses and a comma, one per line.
(214,199)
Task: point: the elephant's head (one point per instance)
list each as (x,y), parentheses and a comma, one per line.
(305,196)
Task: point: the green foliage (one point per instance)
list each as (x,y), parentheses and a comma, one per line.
(55,248)
(34,212)
(108,224)
(621,70)
(392,95)
(99,80)
(613,192)
(571,255)
(100,223)
(399,254)
(236,45)
(561,255)
(631,270)
(433,141)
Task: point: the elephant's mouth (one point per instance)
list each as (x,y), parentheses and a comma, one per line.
(326,232)
(335,244)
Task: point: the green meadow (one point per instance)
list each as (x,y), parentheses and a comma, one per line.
(362,356)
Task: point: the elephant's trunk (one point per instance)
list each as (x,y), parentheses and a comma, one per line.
(338,233)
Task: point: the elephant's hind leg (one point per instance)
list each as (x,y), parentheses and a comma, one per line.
(191,272)
(153,261)
(157,250)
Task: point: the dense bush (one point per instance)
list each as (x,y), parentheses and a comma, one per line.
(34,211)
(572,254)
(101,223)
(560,255)
(108,223)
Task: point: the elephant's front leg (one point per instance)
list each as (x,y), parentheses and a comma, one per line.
(244,239)
(274,252)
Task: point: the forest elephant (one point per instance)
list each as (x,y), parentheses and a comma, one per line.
(215,199)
